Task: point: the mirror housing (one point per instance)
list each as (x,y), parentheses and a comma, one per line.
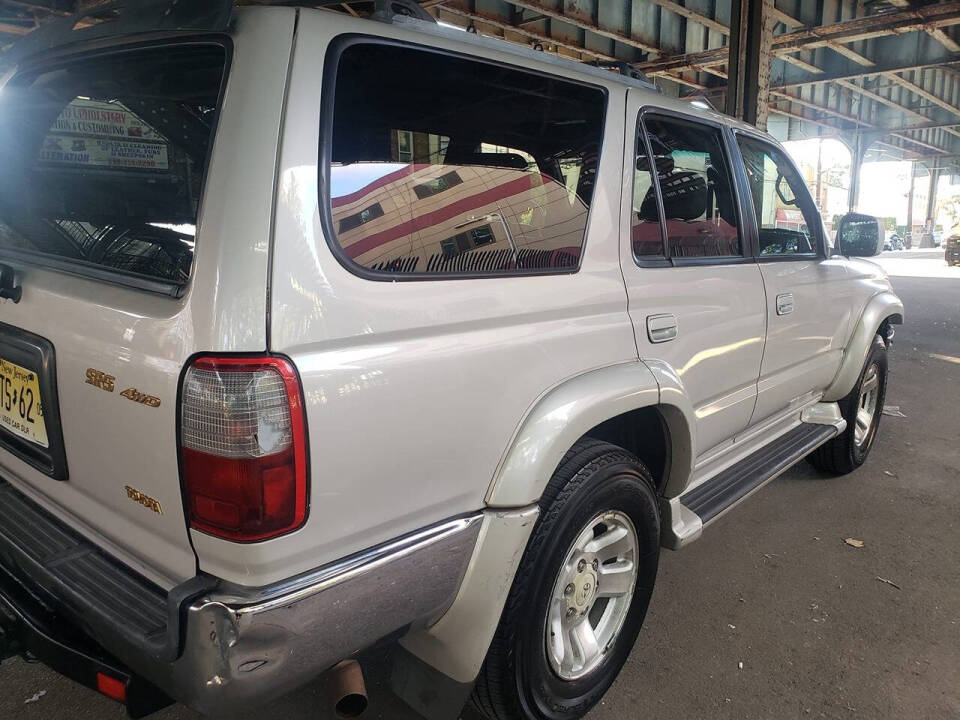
(860,235)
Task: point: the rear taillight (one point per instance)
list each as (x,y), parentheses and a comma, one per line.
(243,447)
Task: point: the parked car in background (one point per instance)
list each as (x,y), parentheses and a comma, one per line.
(893,242)
(299,358)
(951,250)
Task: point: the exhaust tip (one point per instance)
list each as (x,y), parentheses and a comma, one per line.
(349,690)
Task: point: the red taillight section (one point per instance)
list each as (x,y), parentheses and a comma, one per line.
(112,687)
(243,447)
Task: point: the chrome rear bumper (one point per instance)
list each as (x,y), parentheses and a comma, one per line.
(244,647)
(218,647)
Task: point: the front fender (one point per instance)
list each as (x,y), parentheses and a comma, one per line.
(568,412)
(883,306)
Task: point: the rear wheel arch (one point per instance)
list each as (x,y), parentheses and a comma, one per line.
(620,404)
(644,433)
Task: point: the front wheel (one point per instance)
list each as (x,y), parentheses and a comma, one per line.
(581,591)
(861,409)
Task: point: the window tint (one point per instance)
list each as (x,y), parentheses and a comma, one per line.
(463,167)
(784,209)
(694,180)
(101,160)
(646,235)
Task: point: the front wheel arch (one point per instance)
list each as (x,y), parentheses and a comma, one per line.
(882,308)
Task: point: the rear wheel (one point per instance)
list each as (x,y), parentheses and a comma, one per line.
(581,591)
(862,410)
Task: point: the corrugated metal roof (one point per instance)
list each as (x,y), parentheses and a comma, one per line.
(885,74)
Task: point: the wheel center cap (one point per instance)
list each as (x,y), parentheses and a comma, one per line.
(584,589)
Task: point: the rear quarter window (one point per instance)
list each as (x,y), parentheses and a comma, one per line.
(446,166)
(102,160)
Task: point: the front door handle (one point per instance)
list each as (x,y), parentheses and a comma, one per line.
(661,328)
(784,304)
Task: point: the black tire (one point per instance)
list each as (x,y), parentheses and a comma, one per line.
(517,681)
(842,454)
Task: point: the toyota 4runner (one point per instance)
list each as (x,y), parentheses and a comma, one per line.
(320,332)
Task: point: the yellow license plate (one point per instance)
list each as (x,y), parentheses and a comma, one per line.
(20,410)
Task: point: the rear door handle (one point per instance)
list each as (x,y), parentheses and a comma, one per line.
(784,304)
(661,328)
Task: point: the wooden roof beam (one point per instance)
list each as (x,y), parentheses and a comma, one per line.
(819,108)
(792,23)
(461,8)
(686,12)
(846,31)
(582,24)
(941,36)
(922,92)
(883,100)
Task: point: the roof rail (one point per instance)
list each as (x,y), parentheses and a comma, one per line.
(623,67)
(387,10)
(123,17)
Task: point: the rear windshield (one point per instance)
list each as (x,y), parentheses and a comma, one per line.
(102,160)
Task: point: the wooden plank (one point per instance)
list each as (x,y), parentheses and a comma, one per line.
(922,92)
(461,9)
(686,12)
(940,35)
(877,97)
(577,22)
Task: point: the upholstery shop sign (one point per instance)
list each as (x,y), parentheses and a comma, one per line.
(99,134)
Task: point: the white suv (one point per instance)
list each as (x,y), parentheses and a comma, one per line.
(321,332)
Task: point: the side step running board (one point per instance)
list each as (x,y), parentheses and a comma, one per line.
(736,482)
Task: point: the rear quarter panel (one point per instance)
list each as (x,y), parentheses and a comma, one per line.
(414,390)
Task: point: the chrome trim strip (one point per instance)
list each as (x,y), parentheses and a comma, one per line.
(252,602)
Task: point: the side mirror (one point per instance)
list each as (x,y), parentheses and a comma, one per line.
(860,235)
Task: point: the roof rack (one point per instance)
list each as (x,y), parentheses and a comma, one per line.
(387,10)
(123,17)
(622,67)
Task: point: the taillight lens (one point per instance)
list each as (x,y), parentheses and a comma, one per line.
(243,447)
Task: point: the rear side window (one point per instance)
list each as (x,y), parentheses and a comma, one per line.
(698,201)
(102,160)
(446,166)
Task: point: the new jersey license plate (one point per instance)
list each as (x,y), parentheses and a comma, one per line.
(20,410)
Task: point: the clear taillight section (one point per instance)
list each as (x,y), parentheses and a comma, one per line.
(243,447)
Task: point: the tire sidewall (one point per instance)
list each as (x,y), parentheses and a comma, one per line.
(617,486)
(878,356)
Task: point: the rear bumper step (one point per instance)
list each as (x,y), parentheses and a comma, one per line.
(27,628)
(105,596)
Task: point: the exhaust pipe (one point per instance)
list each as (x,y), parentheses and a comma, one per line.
(349,690)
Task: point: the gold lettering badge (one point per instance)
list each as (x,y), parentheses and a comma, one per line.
(142,398)
(145,500)
(100,379)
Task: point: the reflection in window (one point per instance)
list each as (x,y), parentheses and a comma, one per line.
(101,162)
(473,167)
(364,216)
(783,222)
(437,185)
(646,234)
(698,199)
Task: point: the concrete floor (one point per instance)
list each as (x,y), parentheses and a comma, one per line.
(771,586)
